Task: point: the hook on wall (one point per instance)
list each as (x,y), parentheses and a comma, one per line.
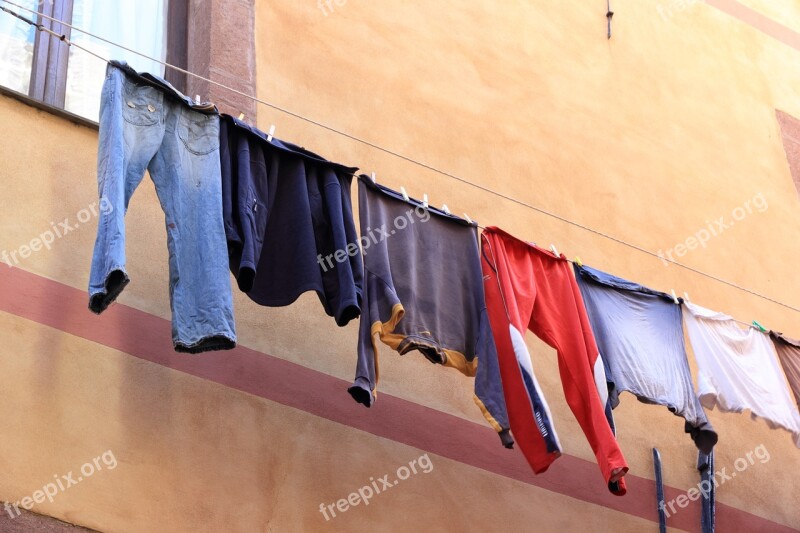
(609,16)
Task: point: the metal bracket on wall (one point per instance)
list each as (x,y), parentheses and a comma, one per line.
(609,15)
(662,513)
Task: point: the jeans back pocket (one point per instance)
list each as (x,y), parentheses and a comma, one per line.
(141,105)
(199,132)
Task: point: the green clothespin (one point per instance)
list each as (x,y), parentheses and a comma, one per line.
(761,328)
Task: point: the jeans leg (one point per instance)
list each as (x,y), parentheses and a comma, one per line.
(131,129)
(186,173)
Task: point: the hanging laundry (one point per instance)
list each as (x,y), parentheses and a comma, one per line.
(529,288)
(640,335)
(423,291)
(289,222)
(738,370)
(146,124)
(789,355)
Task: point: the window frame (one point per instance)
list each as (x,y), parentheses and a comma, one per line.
(50,64)
(50,55)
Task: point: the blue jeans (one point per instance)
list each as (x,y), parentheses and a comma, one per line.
(158,129)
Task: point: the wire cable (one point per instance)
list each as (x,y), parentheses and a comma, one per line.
(387,151)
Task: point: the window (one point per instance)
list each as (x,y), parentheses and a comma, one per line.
(16,50)
(39,65)
(136,24)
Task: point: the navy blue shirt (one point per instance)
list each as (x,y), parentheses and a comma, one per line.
(287,213)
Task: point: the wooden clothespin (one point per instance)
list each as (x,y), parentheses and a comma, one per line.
(758,326)
(404,193)
(686,297)
(445,209)
(271,133)
(241,116)
(197,99)
(554,250)
(578,261)
(466,216)
(374,180)
(675,297)
(425,201)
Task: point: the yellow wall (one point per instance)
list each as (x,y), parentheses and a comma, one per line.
(645,137)
(784,12)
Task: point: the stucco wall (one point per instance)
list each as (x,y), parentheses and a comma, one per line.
(645,137)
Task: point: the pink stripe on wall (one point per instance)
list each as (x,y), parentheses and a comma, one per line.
(148,337)
(758,21)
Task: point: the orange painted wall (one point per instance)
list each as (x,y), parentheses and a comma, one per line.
(645,137)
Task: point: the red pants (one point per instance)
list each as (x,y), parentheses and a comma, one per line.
(529,288)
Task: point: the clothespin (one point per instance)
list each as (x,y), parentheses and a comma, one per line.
(197,99)
(578,261)
(466,216)
(686,297)
(405,194)
(241,116)
(554,250)
(373,178)
(758,326)
(675,297)
(445,209)
(425,201)
(271,133)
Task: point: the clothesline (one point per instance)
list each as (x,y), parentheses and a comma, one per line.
(408,159)
(479,311)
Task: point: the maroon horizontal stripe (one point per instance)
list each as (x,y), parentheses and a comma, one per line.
(148,337)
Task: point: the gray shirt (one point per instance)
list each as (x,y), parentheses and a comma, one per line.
(640,335)
(423,291)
